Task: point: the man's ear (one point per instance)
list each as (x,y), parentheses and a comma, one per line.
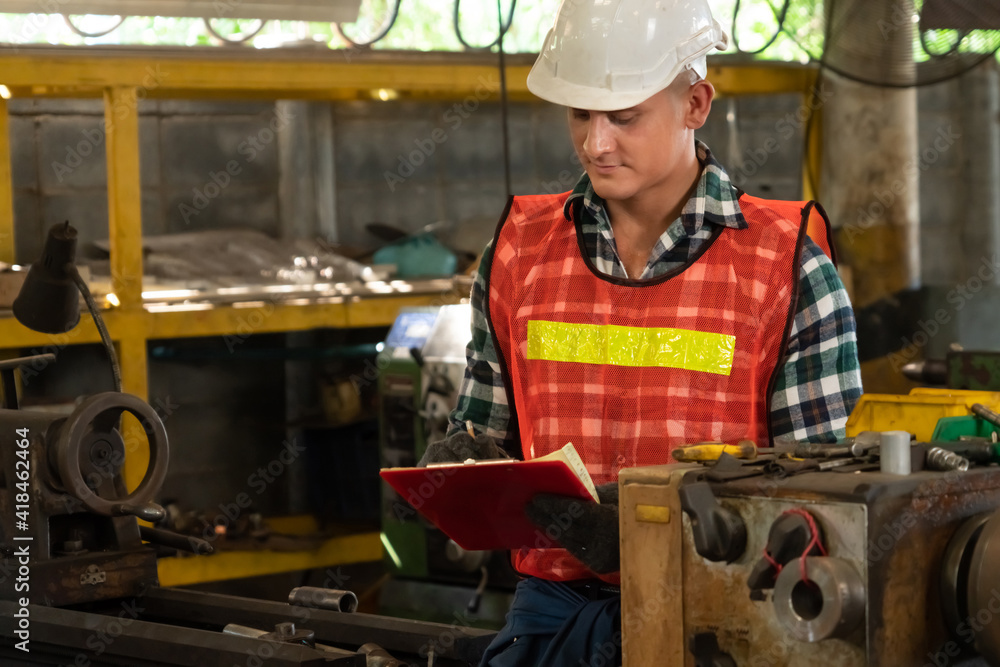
(699,103)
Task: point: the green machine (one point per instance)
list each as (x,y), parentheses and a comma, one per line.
(420,371)
(976,370)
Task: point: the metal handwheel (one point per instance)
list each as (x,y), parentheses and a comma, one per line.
(90,433)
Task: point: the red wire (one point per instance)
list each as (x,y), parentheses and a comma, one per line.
(775,564)
(814,542)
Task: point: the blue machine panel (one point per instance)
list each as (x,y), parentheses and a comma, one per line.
(411,329)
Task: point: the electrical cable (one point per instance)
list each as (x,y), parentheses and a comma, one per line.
(811,105)
(504,27)
(781,27)
(380,33)
(823,62)
(82,33)
(240,40)
(88,298)
(972,64)
(503,92)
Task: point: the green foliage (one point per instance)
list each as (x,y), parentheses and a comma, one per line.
(428,25)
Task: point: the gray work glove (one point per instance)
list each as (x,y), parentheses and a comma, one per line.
(589,531)
(461,446)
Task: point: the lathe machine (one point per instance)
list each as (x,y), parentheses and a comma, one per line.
(845,568)
(78,583)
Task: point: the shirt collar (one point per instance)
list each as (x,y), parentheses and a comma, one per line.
(715,199)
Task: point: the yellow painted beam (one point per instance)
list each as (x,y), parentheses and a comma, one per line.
(240,323)
(184,571)
(761,78)
(6,189)
(298,524)
(812,165)
(331,75)
(13,334)
(172,72)
(132,358)
(121,124)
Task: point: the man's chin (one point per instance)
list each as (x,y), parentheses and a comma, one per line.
(609,190)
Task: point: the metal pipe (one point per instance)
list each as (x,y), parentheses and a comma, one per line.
(982,411)
(324,598)
(895,453)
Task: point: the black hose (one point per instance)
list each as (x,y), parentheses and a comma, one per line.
(101,328)
(504,27)
(382,32)
(781,26)
(503,92)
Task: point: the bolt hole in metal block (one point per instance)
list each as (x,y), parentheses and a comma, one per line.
(807,600)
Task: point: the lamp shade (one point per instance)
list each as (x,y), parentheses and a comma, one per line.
(49,300)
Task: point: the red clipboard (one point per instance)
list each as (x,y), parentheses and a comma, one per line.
(481,505)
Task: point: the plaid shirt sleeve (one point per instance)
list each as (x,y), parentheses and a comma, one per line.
(483,399)
(821,379)
(813,395)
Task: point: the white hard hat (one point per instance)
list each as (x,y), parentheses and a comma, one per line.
(606,55)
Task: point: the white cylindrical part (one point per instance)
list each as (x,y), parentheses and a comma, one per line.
(894,452)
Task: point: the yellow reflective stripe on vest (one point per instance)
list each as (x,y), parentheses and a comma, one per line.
(610,345)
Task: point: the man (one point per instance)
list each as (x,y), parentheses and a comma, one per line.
(654,305)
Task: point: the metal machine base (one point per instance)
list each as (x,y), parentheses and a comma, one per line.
(175,627)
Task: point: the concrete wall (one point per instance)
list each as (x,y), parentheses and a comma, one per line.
(60,170)
(410,165)
(405,164)
(959,147)
(959,165)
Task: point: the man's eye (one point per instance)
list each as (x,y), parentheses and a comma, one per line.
(580,114)
(621,120)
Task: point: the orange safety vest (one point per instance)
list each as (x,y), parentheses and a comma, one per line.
(628,370)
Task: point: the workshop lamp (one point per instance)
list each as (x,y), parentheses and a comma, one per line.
(48,301)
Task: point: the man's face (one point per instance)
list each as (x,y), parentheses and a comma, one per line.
(629,152)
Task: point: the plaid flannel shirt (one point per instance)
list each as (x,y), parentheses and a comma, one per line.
(821,378)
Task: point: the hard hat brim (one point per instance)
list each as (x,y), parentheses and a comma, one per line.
(542,84)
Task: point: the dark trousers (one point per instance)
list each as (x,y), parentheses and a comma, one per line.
(551,624)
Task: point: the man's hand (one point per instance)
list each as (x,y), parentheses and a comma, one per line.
(592,534)
(462,446)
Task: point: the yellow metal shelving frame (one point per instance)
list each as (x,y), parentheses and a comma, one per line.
(123,76)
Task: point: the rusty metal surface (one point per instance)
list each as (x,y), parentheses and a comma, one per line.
(66,580)
(894,530)
(747,629)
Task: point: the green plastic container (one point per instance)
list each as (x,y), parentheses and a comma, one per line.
(419,256)
(951,429)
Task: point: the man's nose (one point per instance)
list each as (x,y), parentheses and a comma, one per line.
(599,136)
